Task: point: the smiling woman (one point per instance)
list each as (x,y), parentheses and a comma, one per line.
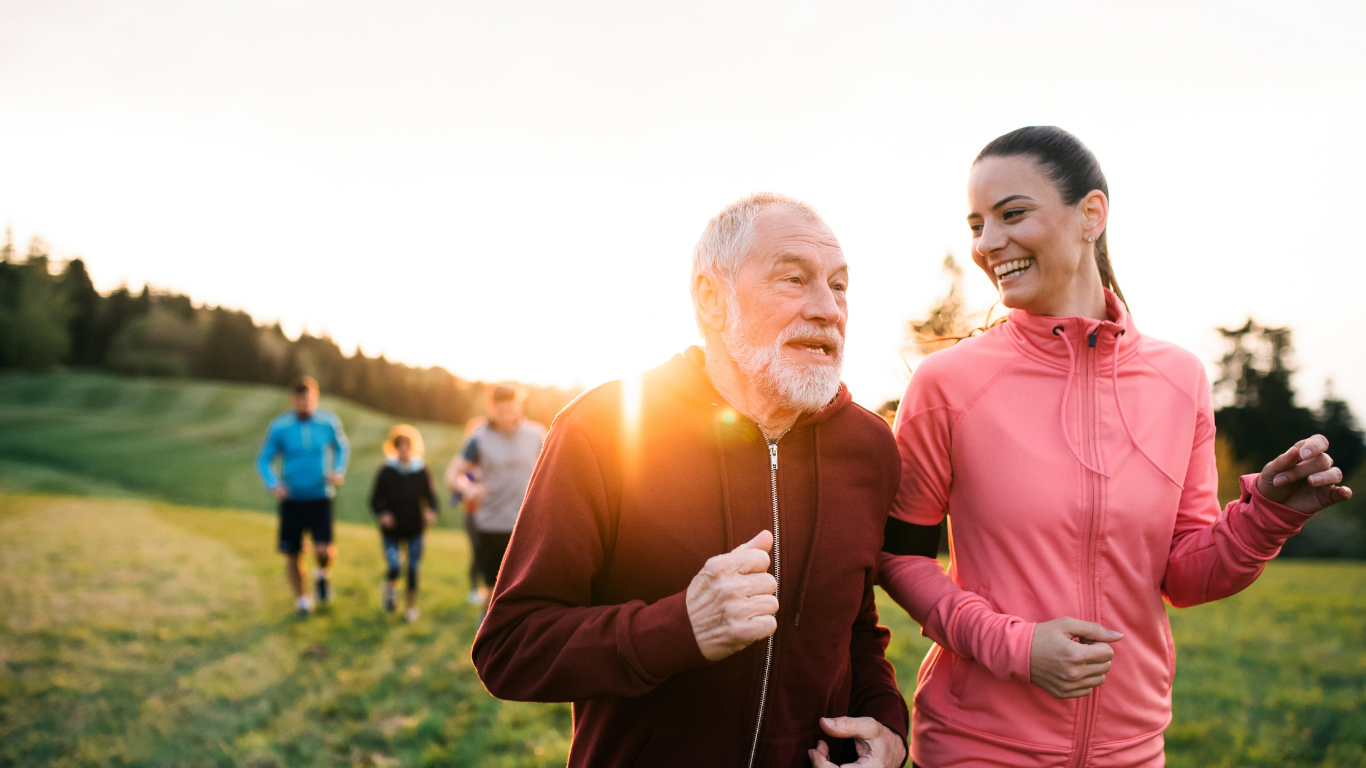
(1059,504)
(1022,206)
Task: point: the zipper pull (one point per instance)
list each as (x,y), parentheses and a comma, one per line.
(1092,341)
(773,455)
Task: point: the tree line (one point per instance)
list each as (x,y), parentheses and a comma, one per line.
(52,315)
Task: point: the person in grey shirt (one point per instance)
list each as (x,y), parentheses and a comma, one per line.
(504,451)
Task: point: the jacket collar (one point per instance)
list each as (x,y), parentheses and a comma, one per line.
(1038,336)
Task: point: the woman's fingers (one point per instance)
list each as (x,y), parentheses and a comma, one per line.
(1329,477)
(1306,468)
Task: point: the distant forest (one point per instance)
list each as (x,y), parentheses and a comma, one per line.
(50,319)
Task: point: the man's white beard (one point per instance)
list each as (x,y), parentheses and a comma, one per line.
(803,388)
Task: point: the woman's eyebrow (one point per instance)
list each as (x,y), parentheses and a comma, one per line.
(1012,198)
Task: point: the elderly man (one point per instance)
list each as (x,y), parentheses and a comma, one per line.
(694,563)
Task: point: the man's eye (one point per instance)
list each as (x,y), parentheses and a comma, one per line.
(839,287)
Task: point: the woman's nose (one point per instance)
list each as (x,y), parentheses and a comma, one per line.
(992,239)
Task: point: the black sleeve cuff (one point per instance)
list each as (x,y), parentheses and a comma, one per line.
(902,538)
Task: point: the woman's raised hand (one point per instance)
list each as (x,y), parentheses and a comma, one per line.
(1069,656)
(1304,478)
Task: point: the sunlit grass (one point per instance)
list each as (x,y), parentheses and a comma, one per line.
(1274,676)
(139,633)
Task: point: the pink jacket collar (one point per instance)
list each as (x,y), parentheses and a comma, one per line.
(1036,335)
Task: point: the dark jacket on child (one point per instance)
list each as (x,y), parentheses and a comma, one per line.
(404,495)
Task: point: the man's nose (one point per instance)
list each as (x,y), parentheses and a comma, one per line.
(822,305)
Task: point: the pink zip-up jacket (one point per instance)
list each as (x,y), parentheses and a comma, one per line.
(1075,460)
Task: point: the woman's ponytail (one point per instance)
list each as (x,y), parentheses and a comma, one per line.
(1107,272)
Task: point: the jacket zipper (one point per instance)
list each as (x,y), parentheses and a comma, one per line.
(778,579)
(1093,490)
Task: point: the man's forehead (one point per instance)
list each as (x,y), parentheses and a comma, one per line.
(779,233)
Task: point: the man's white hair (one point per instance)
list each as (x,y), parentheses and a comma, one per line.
(726,242)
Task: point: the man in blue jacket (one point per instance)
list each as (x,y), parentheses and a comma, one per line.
(305,485)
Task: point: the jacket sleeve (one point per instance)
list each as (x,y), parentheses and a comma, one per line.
(956,619)
(341,447)
(875,693)
(429,492)
(543,639)
(379,501)
(1216,553)
(266,457)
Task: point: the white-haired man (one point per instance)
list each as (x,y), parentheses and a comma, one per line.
(697,575)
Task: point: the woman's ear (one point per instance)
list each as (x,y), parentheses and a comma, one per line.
(711,303)
(1095,211)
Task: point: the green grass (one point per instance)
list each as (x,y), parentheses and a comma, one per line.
(1273,676)
(187,442)
(140,633)
(136,632)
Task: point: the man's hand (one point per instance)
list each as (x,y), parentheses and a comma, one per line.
(386,519)
(878,746)
(1066,661)
(731,602)
(430,515)
(1304,478)
(336,479)
(280,492)
(475,492)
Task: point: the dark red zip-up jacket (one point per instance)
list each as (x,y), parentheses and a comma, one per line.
(623,511)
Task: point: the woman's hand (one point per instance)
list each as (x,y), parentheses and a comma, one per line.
(386,520)
(1304,478)
(1069,656)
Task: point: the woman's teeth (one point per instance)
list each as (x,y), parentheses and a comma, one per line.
(1012,268)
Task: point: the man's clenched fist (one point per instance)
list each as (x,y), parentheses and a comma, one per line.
(731,602)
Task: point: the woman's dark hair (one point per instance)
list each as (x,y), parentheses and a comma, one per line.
(1072,169)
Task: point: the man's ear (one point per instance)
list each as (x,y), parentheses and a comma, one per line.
(711,302)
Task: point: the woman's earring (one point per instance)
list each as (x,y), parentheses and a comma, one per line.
(1091,239)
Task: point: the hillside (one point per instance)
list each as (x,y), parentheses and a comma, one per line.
(189,442)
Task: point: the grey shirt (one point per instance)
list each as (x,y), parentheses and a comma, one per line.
(505,461)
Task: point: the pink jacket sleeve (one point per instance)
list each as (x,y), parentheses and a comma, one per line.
(1216,553)
(958,620)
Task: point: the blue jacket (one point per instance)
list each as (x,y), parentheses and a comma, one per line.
(302,444)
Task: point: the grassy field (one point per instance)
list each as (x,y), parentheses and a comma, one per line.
(181,441)
(140,633)
(144,633)
(134,631)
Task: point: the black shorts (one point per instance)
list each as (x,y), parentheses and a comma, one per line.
(299,515)
(490,551)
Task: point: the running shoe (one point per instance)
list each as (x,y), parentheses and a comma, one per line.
(323,585)
(390,603)
(475,597)
(304,605)
(411,614)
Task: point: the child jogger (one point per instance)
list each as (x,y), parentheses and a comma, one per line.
(404,504)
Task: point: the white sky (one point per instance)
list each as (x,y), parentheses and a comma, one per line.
(513,190)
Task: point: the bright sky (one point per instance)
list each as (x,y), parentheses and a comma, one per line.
(513,190)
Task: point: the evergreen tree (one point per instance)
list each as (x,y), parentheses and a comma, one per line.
(83,302)
(1261,419)
(33,312)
